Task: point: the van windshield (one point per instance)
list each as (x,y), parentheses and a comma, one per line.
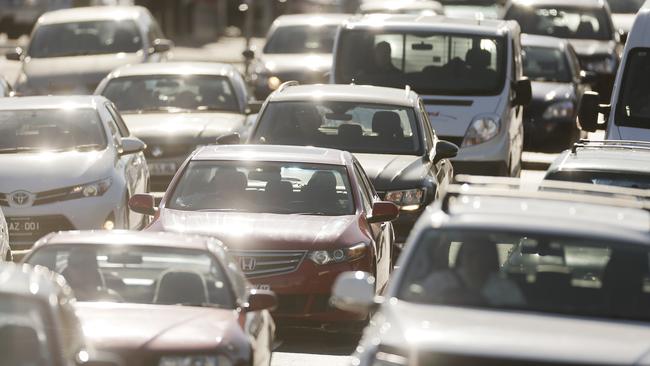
(563,22)
(633,109)
(430,63)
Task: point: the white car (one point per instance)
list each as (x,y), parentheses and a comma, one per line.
(67,163)
(5,251)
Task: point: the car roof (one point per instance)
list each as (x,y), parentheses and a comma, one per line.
(435,23)
(630,157)
(310,19)
(543,41)
(174,68)
(92,13)
(375,5)
(273,153)
(346,93)
(51,102)
(561,3)
(26,280)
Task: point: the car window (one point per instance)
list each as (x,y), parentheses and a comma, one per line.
(25,331)
(562,22)
(429,134)
(546,64)
(367,193)
(301,39)
(619,179)
(119,122)
(633,107)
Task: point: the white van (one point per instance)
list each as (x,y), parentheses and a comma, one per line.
(628,115)
(468,73)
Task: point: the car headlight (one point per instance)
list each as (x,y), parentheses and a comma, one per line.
(605,65)
(407,199)
(273,82)
(556,110)
(93,189)
(322,257)
(482,129)
(195,361)
(387,359)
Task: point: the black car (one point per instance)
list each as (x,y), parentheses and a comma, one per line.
(558,83)
(587,24)
(388,131)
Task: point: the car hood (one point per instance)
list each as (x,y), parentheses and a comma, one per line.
(589,47)
(512,335)
(548,91)
(389,172)
(281,63)
(244,231)
(623,21)
(36,172)
(183,126)
(131,327)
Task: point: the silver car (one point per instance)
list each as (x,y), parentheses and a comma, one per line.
(67,163)
(5,251)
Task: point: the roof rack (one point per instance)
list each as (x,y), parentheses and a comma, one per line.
(618,144)
(287,84)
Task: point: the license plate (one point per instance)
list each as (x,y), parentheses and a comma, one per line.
(23,226)
(162,168)
(262,287)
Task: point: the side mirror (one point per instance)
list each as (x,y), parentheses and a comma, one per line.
(248,54)
(588,111)
(354,292)
(161,45)
(444,150)
(523,92)
(144,204)
(588,77)
(261,300)
(229,139)
(622,36)
(15,55)
(383,211)
(132,145)
(254,107)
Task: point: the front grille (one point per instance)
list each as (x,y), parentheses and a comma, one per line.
(160,151)
(264,263)
(42,198)
(457,140)
(291,304)
(27,230)
(302,77)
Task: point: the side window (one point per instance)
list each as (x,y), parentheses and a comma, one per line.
(121,126)
(365,193)
(429,133)
(112,126)
(574,61)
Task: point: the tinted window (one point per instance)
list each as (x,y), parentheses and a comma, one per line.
(641,181)
(354,127)
(625,6)
(52,129)
(546,64)
(85,38)
(633,108)
(528,271)
(302,39)
(440,64)
(172,92)
(261,187)
(562,22)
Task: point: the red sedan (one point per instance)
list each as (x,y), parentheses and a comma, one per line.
(294,217)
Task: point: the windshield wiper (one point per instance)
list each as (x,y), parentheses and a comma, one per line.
(87,147)
(315,213)
(11,150)
(201,305)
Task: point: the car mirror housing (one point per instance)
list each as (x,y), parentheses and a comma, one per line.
(383,211)
(261,300)
(229,139)
(15,55)
(523,92)
(131,145)
(354,292)
(144,204)
(161,45)
(254,107)
(589,109)
(444,150)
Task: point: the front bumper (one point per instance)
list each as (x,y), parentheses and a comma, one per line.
(540,133)
(489,158)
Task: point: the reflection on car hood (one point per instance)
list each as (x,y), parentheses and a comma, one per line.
(512,335)
(389,172)
(155,327)
(548,91)
(183,126)
(36,172)
(266,231)
(302,62)
(623,21)
(589,47)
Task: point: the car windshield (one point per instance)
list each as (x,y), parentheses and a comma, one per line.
(546,64)
(50,130)
(264,187)
(143,275)
(434,64)
(625,6)
(633,107)
(634,180)
(85,38)
(301,39)
(172,92)
(527,271)
(24,332)
(354,127)
(563,22)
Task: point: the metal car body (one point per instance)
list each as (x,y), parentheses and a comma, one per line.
(5,249)
(297,253)
(145,333)
(393,172)
(473,92)
(5,88)
(171,132)
(558,83)
(83,58)
(51,180)
(406,331)
(285,58)
(616,163)
(421,7)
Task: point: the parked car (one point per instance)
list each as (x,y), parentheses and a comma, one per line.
(387,129)
(623,13)
(492,267)
(587,24)
(627,117)
(5,88)
(298,47)
(67,163)
(613,163)
(294,217)
(420,7)
(176,106)
(72,50)
(468,73)
(162,298)
(558,83)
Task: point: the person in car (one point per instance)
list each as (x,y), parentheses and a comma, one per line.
(383,61)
